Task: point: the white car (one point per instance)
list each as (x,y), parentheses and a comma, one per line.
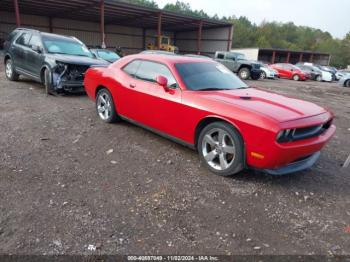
(267,72)
(326,76)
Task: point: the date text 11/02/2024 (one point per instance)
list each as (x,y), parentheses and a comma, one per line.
(172,258)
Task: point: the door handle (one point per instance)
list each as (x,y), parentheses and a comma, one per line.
(132,85)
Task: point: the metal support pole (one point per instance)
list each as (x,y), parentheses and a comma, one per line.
(159,30)
(288,57)
(199,37)
(50,25)
(18,18)
(144,38)
(229,40)
(301,57)
(273,57)
(103,36)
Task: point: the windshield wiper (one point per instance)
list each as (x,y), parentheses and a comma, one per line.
(213,89)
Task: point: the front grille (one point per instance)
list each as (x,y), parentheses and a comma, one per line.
(76,72)
(296,134)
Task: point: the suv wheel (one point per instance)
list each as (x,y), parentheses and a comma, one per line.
(10,71)
(262,75)
(48,82)
(221,149)
(244,73)
(296,78)
(105,106)
(319,78)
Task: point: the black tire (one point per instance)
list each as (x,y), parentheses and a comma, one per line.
(347,83)
(112,116)
(10,70)
(296,77)
(262,75)
(48,82)
(244,73)
(319,78)
(236,161)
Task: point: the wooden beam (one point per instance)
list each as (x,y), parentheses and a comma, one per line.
(199,37)
(18,18)
(103,36)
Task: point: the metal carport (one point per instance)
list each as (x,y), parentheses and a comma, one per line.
(107,13)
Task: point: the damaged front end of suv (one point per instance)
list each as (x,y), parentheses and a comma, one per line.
(68,77)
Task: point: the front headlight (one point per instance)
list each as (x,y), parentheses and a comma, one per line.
(285,135)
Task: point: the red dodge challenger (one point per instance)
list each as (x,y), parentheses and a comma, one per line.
(200,103)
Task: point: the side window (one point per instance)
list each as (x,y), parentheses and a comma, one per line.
(12,35)
(23,39)
(131,68)
(148,71)
(35,41)
(221,56)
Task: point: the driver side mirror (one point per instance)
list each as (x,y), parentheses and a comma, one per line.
(36,48)
(162,81)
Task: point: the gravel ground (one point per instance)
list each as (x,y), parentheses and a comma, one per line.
(61,192)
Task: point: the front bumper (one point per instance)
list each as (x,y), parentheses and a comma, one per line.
(70,86)
(295,166)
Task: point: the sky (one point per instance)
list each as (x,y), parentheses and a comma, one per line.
(328,15)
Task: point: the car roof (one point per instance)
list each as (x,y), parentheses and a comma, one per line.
(171,59)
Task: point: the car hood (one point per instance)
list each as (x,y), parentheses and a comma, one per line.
(77,60)
(278,107)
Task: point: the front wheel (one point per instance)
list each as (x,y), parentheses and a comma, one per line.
(319,78)
(262,75)
(296,77)
(221,149)
(105,106)
(10,71)
(244,73)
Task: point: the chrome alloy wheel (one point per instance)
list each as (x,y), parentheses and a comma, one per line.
(104,107)
(218,149)
(8,69)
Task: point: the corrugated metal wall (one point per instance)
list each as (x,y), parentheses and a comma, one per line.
(212,40)
(129,38)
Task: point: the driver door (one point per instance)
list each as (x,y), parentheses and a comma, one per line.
(152,105)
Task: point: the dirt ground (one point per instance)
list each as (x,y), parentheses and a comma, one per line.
(61,192)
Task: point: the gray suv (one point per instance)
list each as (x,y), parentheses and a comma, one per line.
(238,64)
(59,62)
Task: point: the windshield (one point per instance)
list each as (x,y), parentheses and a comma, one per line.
(208,76)
(240,57)
(62,45)
(108,55)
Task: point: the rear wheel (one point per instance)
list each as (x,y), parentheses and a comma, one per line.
(296,77)
(221,149)
(105,106)
(347,83)
(10,71)
(244,73)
